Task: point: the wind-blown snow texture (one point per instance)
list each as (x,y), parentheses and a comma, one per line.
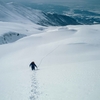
(68,58)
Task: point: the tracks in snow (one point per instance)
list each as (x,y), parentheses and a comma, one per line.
(34,87)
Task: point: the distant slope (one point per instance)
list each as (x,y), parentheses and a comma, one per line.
(87,13)
(12,12)
(57,20)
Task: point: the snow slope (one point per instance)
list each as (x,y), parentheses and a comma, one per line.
(10,31)
(68,60)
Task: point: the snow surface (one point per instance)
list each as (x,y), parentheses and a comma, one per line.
(68,60)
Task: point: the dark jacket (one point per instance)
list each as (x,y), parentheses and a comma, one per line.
(33,65)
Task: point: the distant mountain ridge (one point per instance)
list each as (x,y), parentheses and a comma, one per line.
(47,14)
(57,20)
(11,12)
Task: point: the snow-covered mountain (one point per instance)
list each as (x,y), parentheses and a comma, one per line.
(11,12)
(88,15)
(15,13)
(22,13)
(68,57)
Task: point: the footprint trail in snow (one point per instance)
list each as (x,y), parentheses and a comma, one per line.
(34,87)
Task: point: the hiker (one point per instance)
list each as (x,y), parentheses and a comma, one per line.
(33,65)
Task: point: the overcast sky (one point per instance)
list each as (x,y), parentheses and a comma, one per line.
(59,1)
(52,0)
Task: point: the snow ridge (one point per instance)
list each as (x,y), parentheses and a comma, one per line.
(10,37)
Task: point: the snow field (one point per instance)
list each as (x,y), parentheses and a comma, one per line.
(68,61)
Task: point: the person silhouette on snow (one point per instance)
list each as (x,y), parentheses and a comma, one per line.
(33,65)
